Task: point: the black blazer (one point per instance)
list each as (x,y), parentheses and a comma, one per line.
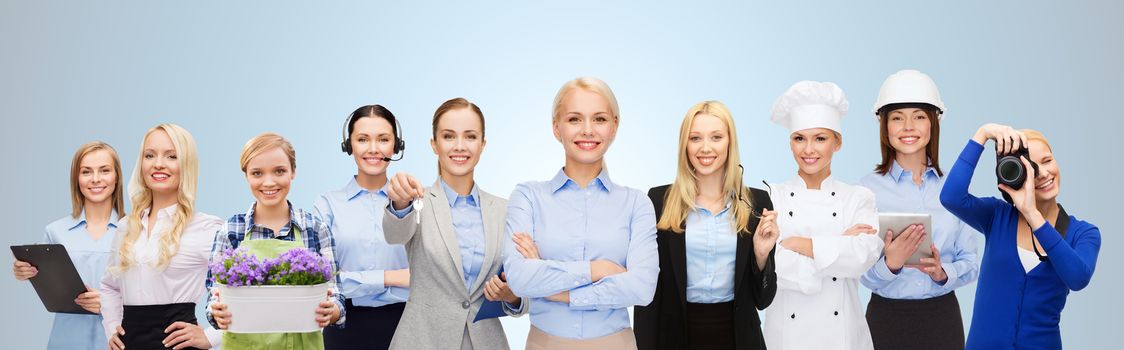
(661,324)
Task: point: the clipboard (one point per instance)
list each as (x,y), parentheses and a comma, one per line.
(491,309)
(58,282)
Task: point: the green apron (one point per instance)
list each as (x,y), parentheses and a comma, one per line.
(271,249)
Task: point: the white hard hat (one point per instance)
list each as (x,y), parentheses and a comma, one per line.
(909,86)
(810,104)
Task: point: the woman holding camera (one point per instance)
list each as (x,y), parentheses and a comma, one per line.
(1034,253)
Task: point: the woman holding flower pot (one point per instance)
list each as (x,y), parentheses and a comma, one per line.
(270,229)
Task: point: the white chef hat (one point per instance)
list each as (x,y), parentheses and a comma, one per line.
(811,104)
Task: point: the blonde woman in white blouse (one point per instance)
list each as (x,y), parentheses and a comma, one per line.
(152,284)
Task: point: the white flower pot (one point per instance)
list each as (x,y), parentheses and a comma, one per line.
(273,309)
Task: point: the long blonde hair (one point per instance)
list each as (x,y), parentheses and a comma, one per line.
(680,198)
(77,199)
(141,197)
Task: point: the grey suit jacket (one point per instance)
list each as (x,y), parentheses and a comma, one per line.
(439,311)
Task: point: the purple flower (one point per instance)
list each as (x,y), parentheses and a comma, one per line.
(298,266)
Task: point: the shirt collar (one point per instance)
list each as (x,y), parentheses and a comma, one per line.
(473,197)
(163,212)
(353,189)
(602,181)
(250,219)
(81,219)
(896,171)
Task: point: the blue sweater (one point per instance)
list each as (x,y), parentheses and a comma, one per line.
(1015,309)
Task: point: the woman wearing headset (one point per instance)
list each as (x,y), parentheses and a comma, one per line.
(374,278)
(87,233)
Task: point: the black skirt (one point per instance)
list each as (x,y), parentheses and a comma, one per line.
(366,328)
(933,323)
(710,326)
(144,324)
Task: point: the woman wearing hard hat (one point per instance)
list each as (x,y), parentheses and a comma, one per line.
(911,302)
(1034,253)
(827,231)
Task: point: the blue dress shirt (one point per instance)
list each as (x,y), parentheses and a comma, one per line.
(711,246)
(573,226)
(354,216)
(468,222)
(956,241)
(90,257)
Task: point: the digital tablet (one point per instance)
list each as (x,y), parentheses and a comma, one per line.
(898,222)
(58,282)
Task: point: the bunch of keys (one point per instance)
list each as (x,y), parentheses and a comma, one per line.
(418,205)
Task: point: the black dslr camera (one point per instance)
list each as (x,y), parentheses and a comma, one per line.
(1010,171)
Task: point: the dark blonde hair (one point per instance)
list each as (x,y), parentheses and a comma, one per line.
(264,142)
(77,200)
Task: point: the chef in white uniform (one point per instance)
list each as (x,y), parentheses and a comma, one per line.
(827,231)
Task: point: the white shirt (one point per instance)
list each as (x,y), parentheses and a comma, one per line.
(1028,258)
(817,304)
(145,284)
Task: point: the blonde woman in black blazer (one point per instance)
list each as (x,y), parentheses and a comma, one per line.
(716,306)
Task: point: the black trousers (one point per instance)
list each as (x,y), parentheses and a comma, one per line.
(933,323)
(144,324)
(365,328)
(710,326)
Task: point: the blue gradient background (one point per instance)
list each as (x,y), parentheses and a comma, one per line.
(74,72)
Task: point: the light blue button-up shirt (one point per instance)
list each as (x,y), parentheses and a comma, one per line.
(896,192)
(712,246)
(468,222)
(90,257)
(571,227)
(354,216)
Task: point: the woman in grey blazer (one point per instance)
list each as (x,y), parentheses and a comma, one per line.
(453,233)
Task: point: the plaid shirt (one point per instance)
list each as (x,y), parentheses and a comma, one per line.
(315,233)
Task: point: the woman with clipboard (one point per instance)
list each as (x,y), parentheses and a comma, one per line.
(157,275)
(454,239)
(87,233)
(911,302)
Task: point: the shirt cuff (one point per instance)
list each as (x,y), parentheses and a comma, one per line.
(512,309)
(584,298)
(883,271)
(951,276)
(400,213)
(580,270)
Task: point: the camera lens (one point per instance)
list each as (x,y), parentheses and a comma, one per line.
(1010,170)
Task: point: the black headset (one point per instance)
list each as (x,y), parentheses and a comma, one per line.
(399,144)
